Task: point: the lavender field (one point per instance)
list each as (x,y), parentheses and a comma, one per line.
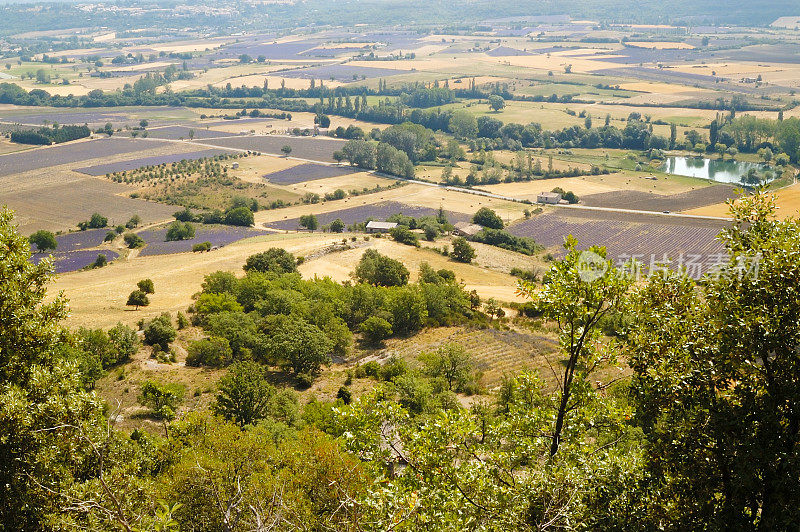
(133,164)
(218,235)
(91,238)
(72,261)
(362,213)
(307,172)
(184,132)
(46,157)
(314,148)
(342,73)
(648,242)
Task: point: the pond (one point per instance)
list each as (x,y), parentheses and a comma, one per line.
(727,171)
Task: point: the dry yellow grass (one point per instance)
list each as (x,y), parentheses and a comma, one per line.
(585,185)
(253,169)
(97,297)
(412,194)
(488,283)
(357,181)
(787,200)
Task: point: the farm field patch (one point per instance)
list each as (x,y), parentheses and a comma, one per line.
(217,235)
(315,148)
(647,201)
(357,181)
(71,152)
(133,164)
(307,172)
(651,242)
(57,205)
(97,297)
(72,261)
(375,211)
(185,132)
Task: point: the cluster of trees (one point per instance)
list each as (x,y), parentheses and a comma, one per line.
(50,135)
(95,221)
(239,213)
(750,134)
(704,434)
(273,316)
(381,157)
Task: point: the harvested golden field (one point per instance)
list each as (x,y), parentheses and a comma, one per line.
(488,283)
(356,181)
(787,200)
(6,146)
(592,185)
(97,297)
(412,194)
(253,169)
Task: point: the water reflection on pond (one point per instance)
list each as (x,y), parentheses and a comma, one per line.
(727,171)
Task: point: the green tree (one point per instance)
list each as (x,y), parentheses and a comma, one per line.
(337,226)
(496,102)
(715,379)
(408,308)
(375,330)
(213,352)
(240,216)
(299,345)
(360,153)
(178,230)
(162,399)
(276,260)
(450,362)
(146,286)
(132,240)
(246,397)
(582,289)
(160,332)
(98,221)
(43,240)
(309,221)
(286,150)
(487,218)
(137,299)
(404,235)
(380,270)
(462,250)
(463,124)
(46,415)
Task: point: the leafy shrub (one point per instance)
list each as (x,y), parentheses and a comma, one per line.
(160,332)
(488,218)
(213,352)
(276,260)
(241,216)
(462,251)
(180,231)
(375,330)
(162,399)
(132,240)
(404,236)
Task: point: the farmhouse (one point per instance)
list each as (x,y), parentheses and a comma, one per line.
(467,229)
(550,198)
(380,227)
